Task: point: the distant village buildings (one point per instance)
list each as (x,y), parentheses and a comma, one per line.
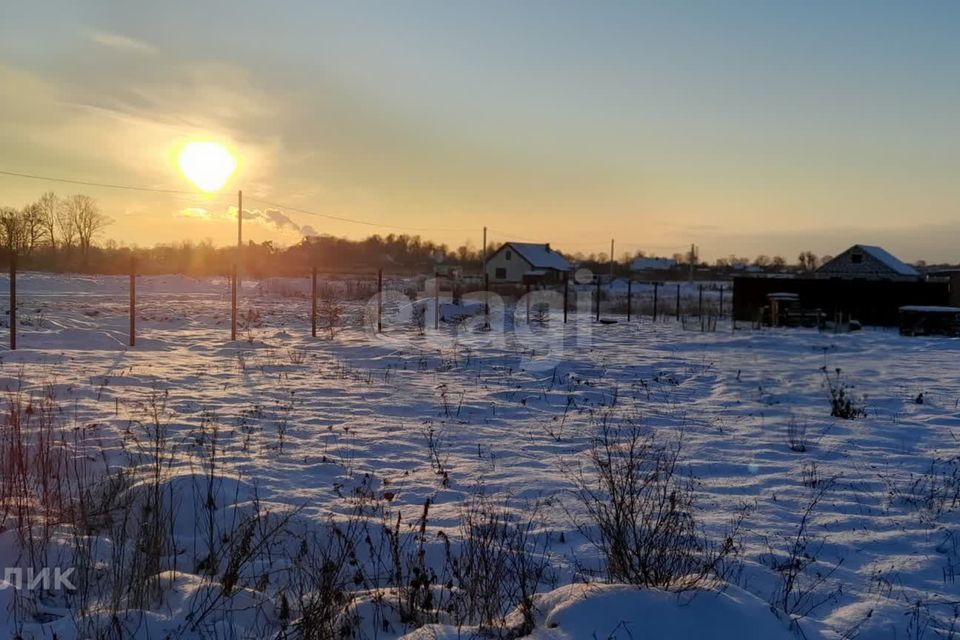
(643,264)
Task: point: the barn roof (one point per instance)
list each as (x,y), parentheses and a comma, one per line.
(540,256)
(889,260)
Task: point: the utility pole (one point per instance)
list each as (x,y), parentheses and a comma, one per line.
(239,232)
(611,259)
(484,266)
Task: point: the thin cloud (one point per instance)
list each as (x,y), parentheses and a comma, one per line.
(273,219)
(118,41)
(193,213)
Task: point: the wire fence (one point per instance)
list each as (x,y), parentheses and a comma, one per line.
(52,309)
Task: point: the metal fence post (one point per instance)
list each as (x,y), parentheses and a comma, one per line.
(233,303)
(598,298)
(656,290)
(380,301)
(13,301)
(313,302)
(133,302)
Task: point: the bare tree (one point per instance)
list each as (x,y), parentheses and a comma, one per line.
(65,226)
(807,260)
(48,206)
(86,220)
(13,234)
(33,230)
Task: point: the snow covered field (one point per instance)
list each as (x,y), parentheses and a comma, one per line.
(397,437)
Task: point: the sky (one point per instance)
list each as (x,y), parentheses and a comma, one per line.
(742,126)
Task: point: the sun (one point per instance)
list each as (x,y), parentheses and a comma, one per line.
(207,164)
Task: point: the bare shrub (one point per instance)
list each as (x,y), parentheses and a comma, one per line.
(641,514)
(842,405)
(248,321)
(934,492)
(810,475)
(803,580)
(419,318)
(411,575)
(438,459)
(34,465)
(500,564)
(297,356)
(797,436)
(540,314)
(327,572)
(330,313)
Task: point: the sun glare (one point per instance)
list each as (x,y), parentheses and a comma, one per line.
(207,164)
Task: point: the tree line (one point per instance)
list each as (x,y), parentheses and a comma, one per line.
(61,234)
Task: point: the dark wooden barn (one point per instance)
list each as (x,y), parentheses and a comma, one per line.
(872,302)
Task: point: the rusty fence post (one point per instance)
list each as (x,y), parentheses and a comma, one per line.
(313,302)
(380,301)
(133,301)
(233,303)
(436,301)
(598,298)
(13,301)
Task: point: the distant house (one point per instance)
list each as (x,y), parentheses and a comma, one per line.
(745,267)
(519,262)
(643,264)
(865,262)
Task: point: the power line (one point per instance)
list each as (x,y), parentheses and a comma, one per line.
(194,194)
(507,234)
(87,183)
(127,187)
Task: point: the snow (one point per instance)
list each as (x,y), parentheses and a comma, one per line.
(889,260)
(510,411)
(540,256)
(652,264)
(930,309)
(618,612)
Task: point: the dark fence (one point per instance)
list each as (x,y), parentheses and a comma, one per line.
(873,302)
